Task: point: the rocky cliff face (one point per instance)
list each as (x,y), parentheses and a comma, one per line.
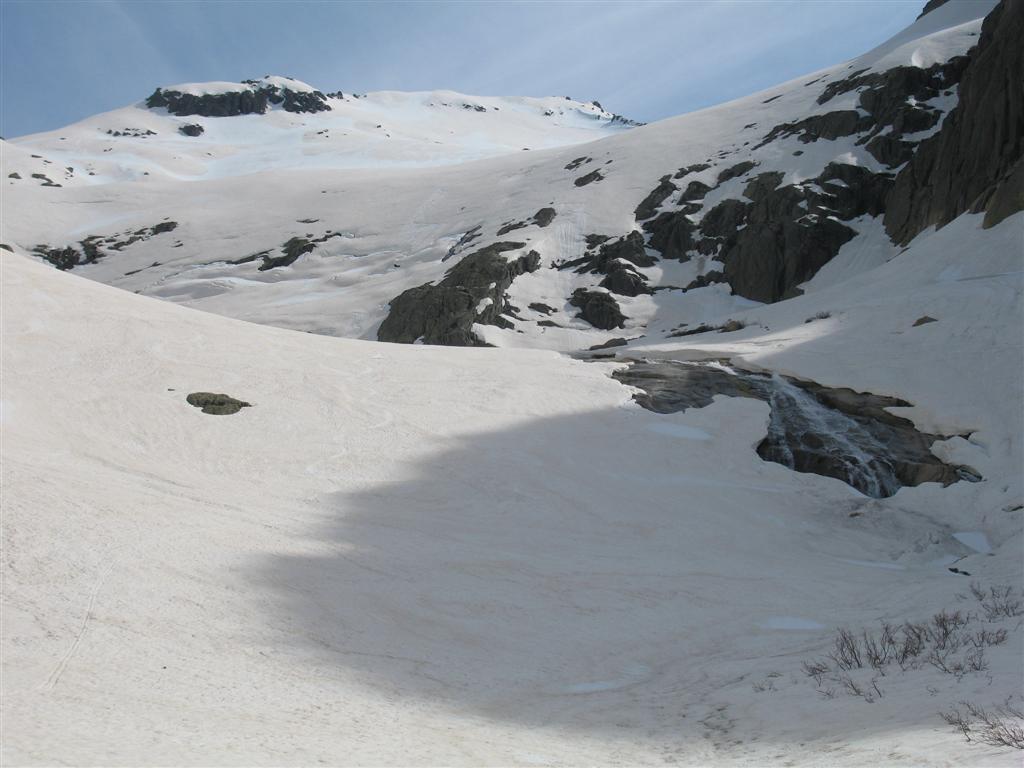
(974,162)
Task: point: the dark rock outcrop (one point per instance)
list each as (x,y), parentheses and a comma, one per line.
(290,252)
(191,129)
(252,97)
(737,170)
(599,309)
(216,404)
(831,126)
(974,162)
(930,6)
(591,177)
(650,204)
(671,234)
(695,190)
(695,168)
(724,219)
(623,280)
(445,313)
(618,341)
(762,184)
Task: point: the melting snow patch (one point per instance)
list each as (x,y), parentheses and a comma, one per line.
(976,540)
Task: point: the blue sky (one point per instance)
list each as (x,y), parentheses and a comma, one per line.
(62,61)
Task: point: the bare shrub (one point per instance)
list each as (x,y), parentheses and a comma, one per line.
(1001,726)
(846,650)
(816,669)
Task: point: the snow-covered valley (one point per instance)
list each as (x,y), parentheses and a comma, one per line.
(445,553)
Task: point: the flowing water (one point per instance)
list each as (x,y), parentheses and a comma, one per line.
(833,432)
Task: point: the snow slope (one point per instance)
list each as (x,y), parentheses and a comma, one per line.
(420,555)
(384,213)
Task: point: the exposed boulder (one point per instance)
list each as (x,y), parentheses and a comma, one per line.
(191,129)
(544,217)
(599,309)
(216,404)
(973,162)
(473,291)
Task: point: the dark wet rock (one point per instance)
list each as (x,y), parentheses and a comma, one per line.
(650,204)
(445,313)
(735,171)
(599,309)
(13,175)
(593,241)
(611,343)
(549,324)
(924,320)
(623,280)
(695,168)
(542,308)
(724,218)
(973,162)
(771,99)
(671,234)
(6,247)
(591,177)
(695,190)
(572,166)
(839,433)
(544,217)
(762,184)
(216,404)
(191,129)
